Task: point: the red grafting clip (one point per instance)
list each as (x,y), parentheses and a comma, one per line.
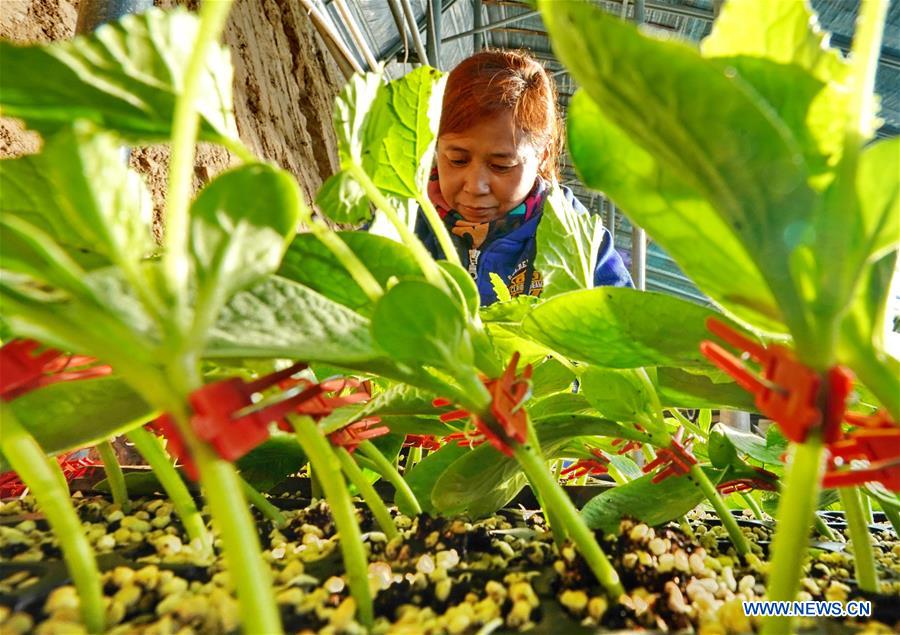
(22,371)
(470,439)
(424,441)
(351,436)
(785,391)
(880,446)
(879,419)
(766,482)
(583,467)
(626,446)
(675,460)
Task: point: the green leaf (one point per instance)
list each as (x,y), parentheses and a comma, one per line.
(500,288)
(682,389)
(342,200)
(400,139)
(240,225)
(878,192)
(143,483)
(351,108)
(779,49)
(622,328)
(425,474)
(711,129)
(755,446)
(278,318)
(720,449)
(675,213)
(125,76)
(80,192)
(619,395)
(567,245)
(74,414)
(399,399)
(270,463)
(416,322)
(550,377)
(558,403)
(652,503)
(310,263)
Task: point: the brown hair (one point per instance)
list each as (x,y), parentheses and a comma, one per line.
(493,81)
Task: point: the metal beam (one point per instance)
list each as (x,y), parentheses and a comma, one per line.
(492,26)
(477,23)
(419,27)
(433,29)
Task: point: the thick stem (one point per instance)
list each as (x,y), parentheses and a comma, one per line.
(866,508)
(249,572)
(439,229)
(43,476)
(324,461)
(114,476)
(368,493)
(402,492)
(556,499)
(753,505)
(795,515)
(262,503)
(423,258)
(712,495)
(181,165)
(153,452)
(863,558)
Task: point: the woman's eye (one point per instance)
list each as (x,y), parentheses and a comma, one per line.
(458,162)
(502,168)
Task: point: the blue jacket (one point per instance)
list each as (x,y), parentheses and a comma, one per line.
(512,257)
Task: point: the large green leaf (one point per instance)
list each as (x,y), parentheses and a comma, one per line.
(709,127)
(652,503)
(780,50)
(70,415)
(240,225)
(674,212)
(755,446)
(551,377)
(679,388)
(283,319)
(351,109)
(125,76)
(80,192)
(400,139)
(567,245)
(622,328)
(416,322)
(310,263)
(423,477)
(342,200)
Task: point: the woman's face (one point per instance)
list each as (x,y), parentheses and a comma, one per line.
(487,170)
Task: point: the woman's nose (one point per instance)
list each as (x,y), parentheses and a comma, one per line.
(477,181)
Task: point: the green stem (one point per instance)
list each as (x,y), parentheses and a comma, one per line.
(263,504)
(249,572)
(153,452)
(315,485)
(412,457)
(181,165)
(728,521)
(553,496)
(753,505)
(114,475)
(790,546)
(866,508)
(368,493)
(423,258)
(324,461)
(42,475)
(403,494)
(344,255)
(863,558)
(825,531)
(688,425)
(439,229)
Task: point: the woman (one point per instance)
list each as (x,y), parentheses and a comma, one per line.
(497,150)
